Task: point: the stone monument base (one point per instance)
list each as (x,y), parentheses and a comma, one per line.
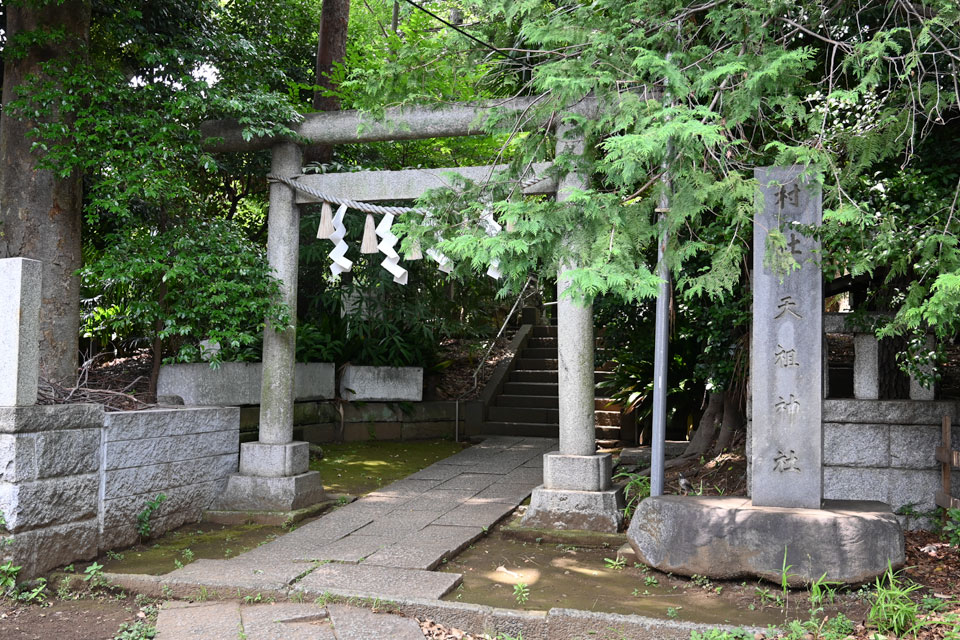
(261,493)
(576,494)
(729,538)
(570,509)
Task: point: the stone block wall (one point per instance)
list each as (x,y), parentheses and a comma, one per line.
(73,478)
(186,454)
(319,422)
(884,450)
(49,481)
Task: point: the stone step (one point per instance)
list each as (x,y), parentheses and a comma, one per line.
(538,375)
(531,388)
(536,352)
(607,418)
(542,415)
(542,343)
(529,429)
(607,432)
(544,331)
(546,402)
(537,364)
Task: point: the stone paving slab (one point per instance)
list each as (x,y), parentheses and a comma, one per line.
(475,481)
(484,514)
(353,548)
(456,537)
(397,525)
(414,554)
(524,475)
(406,488)
(436,472)
(286,621)
(513,494)
(384,582)
(251,574)
(198,621)
(359,624)
(438,500)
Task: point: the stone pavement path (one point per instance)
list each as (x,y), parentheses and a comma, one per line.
(281,621)
(383,545)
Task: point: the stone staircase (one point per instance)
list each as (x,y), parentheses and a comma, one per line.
(528,404)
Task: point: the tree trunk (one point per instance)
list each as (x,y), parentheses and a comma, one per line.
(331,49)
(703,436)
(732,422)
(40,213)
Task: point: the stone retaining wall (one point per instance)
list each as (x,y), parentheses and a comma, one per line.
(186,454)
(319,422)
(73,478)
(884,450)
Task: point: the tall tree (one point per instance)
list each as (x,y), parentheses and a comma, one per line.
(331,50)
(40,209)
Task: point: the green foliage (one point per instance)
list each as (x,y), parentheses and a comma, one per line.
(634,491)
(951,527)
(8,579)
(143,518)
(199,280)
(521,592)
(892,609)
(93,575)
(139,630)
(822,591)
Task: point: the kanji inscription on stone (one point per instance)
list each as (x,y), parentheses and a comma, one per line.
(786,373)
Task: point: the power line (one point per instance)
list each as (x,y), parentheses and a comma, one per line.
(462,32)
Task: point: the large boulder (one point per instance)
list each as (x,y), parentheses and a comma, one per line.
(727,538)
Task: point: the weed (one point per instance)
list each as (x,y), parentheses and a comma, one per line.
(785,576)
(342,500)
(202,594)
(701,581)
(892,610)
(673,612)
(651,581)
(521,592)
(143,518)
(187,555)
(139,630)
(634,491)
(297,596)
(69,568)
(615,564)
(636,593)
(93,575)
(35,595)
(113,555)
(822,591)
(177,563)
(951,527)
(8,579)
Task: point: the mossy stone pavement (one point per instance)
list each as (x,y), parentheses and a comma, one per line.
(382,546)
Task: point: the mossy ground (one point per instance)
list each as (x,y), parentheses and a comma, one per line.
(356,468)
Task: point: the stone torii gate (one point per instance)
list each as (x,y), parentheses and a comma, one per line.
(274,473)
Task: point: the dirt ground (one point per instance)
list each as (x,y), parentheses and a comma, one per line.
(84,617)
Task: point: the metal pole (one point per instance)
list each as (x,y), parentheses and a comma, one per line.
(661,345)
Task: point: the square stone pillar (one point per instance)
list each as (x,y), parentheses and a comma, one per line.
(576,491)
(866,371)
(274,471)
(19,331)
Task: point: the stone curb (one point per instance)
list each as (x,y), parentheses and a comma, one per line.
(555,624)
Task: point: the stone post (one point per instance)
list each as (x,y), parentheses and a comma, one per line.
(787,345)
(576,491)
(274,471)
(866,374)
(19,331)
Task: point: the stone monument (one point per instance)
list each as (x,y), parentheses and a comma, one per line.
(786,344)
(787,521)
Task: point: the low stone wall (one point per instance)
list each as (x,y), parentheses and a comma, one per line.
(320,422)
(884,450)
(238,383)
(186,454)
(73,478)
(382,384)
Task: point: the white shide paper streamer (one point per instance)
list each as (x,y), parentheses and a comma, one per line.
(340,263)
(493,228)
(392,262)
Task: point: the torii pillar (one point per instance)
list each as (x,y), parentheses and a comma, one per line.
(577,491)
(274,470)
